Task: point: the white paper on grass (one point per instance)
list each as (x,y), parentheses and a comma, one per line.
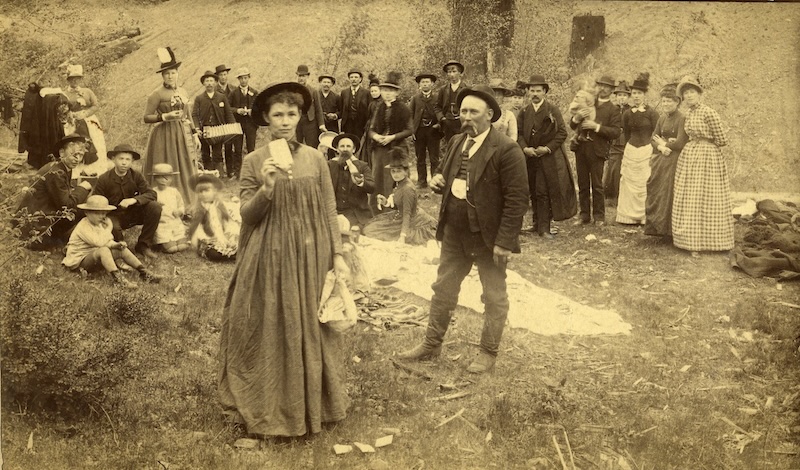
(532,307)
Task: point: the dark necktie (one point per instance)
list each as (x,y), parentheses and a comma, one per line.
(462,170)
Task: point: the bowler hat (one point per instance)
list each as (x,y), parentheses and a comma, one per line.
(221,68)
(419,77)
(538,80)
(74,71)
(453,62)
(302,69)
(484,93)
(260,103)
(606,80)
(163,169)
(205,178)
(96,202)
(167,58)
(688,82)
(331,77)
(397,159)
(622,87)
(497,84)
(123,148)
(352,71)
(242,72)
(208,73)
(344,135)
(67,139)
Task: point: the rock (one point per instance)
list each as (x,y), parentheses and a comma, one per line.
(395,431)
(364,448)
(245,443)
(590,238)
(384,441)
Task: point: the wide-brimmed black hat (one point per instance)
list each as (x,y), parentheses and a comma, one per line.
(606,80)
(538,80)
(123,148)
(333,79)
(453,62)
(259,105)
(356,140)
(205,178)
(208,73)
(67,139)
(221,68)
(486,94)
(419,77)
(642,82)
(167,58)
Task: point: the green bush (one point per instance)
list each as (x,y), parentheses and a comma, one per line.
(59,354)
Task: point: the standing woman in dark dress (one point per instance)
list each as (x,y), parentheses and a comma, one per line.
(638,124)
(390,128)
(173,138)
(669,138)
(281,370)
(701,206)
(368,144)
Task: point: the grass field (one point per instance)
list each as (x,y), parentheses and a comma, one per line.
(688,388)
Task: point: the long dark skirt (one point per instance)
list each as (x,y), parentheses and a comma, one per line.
(658,205)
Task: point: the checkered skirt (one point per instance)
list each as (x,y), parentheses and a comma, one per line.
(701,211)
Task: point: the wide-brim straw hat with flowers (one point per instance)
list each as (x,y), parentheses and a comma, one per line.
(96,203)
(163,169)
(260,103)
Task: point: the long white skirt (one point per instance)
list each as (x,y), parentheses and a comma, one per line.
(634,174)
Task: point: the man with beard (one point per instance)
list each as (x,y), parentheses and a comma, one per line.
(355,105)
(611,173)
(447,110)
(591,154)
(542,133)
(427,131)
(311,122)
(484,198)
(211,108)
(352,181)
(330,103)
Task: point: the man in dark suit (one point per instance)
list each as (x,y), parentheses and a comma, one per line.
(541,134)
(591,154)
(427,130)
(242,98)
(352,181)
(355,105)
(485,195)
(446,109)
(211,108)
(330,103)
(611,174)
(311,122)
(226,89)
(52,195)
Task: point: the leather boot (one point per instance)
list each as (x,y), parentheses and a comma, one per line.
(431,347)
(483,363)
(148,276)
(420,352)
(120,280)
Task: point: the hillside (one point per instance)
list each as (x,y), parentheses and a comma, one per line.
(746,54)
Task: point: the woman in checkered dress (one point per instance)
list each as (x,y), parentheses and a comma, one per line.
(701,212)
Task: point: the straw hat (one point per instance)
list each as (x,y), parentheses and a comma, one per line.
(96,203)
(74,71)
(163,169)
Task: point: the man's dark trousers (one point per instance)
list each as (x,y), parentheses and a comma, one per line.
(146,215)
(591,195)
(426,143)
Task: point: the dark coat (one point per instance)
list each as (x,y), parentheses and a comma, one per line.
(205,107)
(418,104)
(314,113)
(498,188)
(227,90)
(241,100)
(116,188)
(546,128)
(399,122)
(608,116)
(331,104)
(443,103)
(359,120)
(349,197)
(50,193)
